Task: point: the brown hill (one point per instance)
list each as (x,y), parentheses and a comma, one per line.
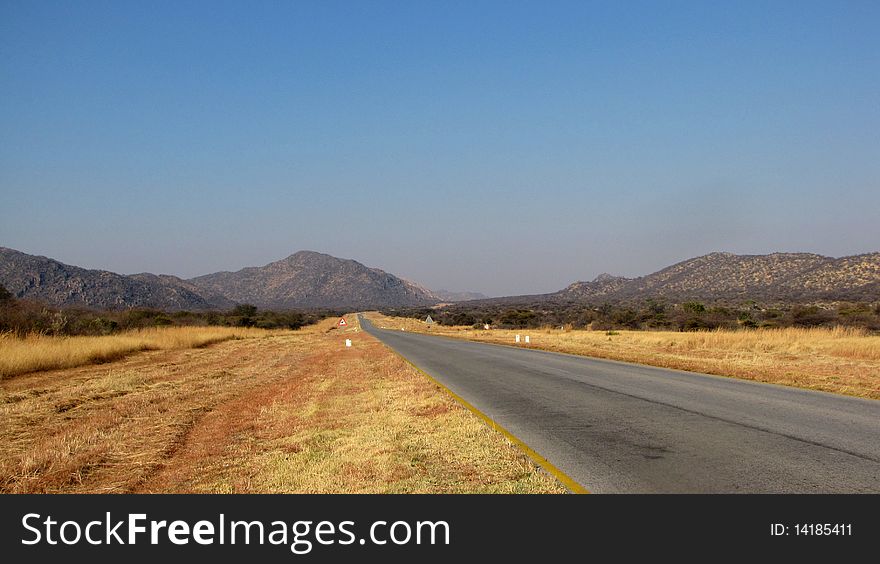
(777,277)
(309,279)
(40,278)
(603,285)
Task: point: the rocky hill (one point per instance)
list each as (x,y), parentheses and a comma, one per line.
(313,280)
(602,285)
(309,279)
(47,280)
(303,280)
(777,277)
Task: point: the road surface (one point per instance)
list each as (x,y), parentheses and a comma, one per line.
(619,427)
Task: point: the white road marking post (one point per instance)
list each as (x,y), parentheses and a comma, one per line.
(348,342)
(517,338)
(527,339)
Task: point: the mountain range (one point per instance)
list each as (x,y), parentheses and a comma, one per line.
(308,279)
(303,280)
(776,277)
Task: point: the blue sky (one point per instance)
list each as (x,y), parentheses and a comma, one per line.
(503,147)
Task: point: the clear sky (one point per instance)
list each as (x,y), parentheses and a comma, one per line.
(502,147)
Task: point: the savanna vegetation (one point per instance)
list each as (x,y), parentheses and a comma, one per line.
(650,315)
(24,317)
(277,411)
(34,336)
(35,351)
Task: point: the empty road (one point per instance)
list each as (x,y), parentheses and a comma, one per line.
(617,427)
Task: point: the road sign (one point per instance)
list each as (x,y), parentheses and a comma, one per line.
(342,322)
(429,320)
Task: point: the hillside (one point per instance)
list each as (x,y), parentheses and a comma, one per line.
(603,285)
(40,278)
(777,277)
(303,280)
(309,279)
(314,280)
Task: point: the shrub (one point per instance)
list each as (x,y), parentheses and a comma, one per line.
(693,307)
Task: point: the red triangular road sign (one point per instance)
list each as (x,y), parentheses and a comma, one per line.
(342,322)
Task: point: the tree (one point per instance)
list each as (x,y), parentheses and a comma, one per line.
(244,310)
(4,294)
(245,314)
(693,307)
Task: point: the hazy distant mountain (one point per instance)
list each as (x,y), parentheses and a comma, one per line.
(309,279)
(448,296)
(778,277)
(40,278)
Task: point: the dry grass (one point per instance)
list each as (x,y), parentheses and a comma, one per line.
(840,360)
(41,352)
(291,412)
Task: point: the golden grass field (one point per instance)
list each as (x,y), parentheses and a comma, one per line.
(845,361)
(286,411)
(41,352)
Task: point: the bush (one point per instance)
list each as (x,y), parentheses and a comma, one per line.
(244,310)
(650,314)
(25,316)
(626,318)
(811,316)
(517,318)
(693,307)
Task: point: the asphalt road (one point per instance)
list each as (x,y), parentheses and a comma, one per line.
(619,427)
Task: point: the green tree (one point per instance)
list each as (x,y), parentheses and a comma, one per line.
(244,310)
(245,314)
(693,307)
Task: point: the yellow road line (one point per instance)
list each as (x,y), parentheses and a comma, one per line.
(566,480)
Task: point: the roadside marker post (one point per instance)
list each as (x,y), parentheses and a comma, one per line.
(517,338)
(348,342)
(527,339)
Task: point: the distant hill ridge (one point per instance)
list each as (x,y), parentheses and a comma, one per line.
(303,280)
(40,278)
(308,279)
(794,277)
